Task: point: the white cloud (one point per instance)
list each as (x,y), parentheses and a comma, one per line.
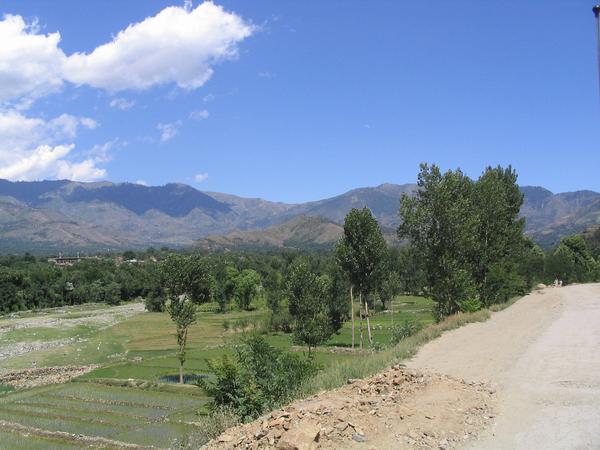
(142,182)
(88,123)
(168,130)
(30,63)
(121,103)
(208,98)
(83,171)
(32,148)
(199,178)
(179,45)
(199,115)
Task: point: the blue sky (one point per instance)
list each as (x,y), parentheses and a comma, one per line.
(299,100)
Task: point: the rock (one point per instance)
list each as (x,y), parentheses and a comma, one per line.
(276,422)
(225,438)
(443,444)
(358,437)
(341,426)
(300,438)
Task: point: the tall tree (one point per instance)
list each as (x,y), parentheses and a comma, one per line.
(362,252)
(247,286)
(186,280)
(309,301)
(183,314)
(441,225)
(497,202)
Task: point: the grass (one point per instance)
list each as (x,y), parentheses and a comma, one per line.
(106,402)
(119,413)
(337,375)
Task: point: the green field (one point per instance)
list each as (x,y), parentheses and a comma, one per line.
(102,403)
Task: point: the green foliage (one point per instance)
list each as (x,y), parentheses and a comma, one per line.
(183,313)
(259,379)
(406,330)
(469,237)
(246,288)
(572,261)
(362,251)
(154,303)
(310,301)
(191,276)
(470,305)
(282,321)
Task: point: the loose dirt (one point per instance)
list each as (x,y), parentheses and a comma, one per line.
(41,376)
(543,356)
(399,408)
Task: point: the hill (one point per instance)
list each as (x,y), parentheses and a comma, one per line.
(49,216)
(304,232)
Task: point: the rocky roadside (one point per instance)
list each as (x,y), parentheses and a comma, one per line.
(399,408)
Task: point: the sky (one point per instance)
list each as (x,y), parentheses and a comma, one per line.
(298,100)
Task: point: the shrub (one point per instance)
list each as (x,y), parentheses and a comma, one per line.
(409,328)
(470,305)
(281,321)
(212,425)
(259,379)
(154,303)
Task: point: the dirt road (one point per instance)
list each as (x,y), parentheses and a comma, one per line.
(543,355)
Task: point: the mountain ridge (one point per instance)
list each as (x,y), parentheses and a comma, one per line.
(54,215)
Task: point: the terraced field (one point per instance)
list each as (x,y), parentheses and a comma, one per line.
(105,408)
(120,414)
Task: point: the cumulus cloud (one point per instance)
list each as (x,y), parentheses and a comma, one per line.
(31,64)
(33,148)
(199,178)
(168,130)
(121,103)
(179,45)
(199,115)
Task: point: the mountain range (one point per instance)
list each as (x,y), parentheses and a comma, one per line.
(51,216)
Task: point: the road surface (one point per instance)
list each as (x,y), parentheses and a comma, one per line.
(543,356)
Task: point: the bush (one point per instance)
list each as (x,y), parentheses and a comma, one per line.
(470,305)
(281,321)
(212,425)
(409,328)
(154,303)
(259,379)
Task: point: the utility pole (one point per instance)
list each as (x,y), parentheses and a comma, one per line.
(596,10)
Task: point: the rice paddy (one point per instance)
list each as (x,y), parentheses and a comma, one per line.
(126,400)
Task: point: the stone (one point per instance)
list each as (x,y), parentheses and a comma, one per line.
(300,438)
(276,422)
(358,437)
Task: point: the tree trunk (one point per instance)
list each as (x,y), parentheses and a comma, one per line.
(368,322)
(352,313)
(360,309)
(181,372)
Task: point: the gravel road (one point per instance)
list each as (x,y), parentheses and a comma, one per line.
(543,355)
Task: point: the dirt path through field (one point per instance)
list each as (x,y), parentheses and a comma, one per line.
(543,354)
